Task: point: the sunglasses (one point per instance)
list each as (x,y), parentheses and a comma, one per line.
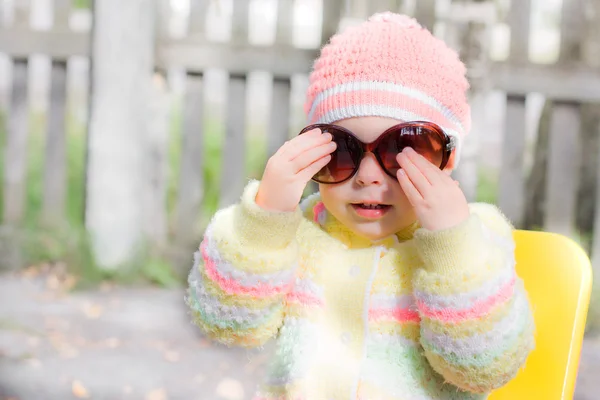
(426,138)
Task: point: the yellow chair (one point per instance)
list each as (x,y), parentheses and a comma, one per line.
(558,277)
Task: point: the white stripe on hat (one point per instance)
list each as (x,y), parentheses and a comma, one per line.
(385,87)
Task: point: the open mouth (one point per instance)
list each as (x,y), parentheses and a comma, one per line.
(371,210)
(371,206)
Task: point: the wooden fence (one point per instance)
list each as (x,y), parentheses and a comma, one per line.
(19,42)
(120,215)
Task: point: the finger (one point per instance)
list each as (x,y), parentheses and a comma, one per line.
(430,171)
(291,142)
(412,194)
(311,155)
(310,171)
(283,147)
(301,143)
(414,174)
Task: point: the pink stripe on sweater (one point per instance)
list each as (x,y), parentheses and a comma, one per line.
(230,286)
(478,310)
(318,211)
(305,299)
(351,98)
(395,314)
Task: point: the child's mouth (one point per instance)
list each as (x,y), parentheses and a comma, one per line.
(370,210)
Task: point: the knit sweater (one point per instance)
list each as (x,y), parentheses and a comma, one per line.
(418,315)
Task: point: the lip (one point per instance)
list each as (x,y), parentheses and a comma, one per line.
(370,202)
(373,214)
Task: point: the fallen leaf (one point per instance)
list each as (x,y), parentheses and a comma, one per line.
(92,311)
(52,282)
(157,394)
(230,389)
(34,362)
(30,272)
(59,342)
(79,390)
(33,341)
(106,287)
(112,343)
(69,282)
(69,352)
(172,356)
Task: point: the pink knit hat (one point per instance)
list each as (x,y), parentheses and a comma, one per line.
(390,66)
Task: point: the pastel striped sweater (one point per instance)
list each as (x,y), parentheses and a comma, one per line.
(420,315)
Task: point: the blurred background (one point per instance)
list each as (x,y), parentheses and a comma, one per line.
(125,124)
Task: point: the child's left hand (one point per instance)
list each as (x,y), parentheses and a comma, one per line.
(437,199)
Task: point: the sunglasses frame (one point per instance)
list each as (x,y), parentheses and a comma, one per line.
(449,143)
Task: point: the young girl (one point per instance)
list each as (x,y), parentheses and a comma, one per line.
(386,284)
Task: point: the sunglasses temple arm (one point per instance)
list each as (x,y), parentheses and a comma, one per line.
(451,145)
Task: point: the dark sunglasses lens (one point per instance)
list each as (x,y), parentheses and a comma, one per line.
(343,159)
(425,141)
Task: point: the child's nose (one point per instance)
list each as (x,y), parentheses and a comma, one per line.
(369,171)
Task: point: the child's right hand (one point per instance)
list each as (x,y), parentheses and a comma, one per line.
(291,168)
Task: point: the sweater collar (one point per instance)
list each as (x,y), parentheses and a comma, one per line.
(318,213)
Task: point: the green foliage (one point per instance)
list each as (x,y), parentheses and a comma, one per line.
(82,4)
(160,272)
(487,190)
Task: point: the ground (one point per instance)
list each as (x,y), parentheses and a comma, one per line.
(122,343)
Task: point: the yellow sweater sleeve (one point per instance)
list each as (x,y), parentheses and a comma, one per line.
(243,270)
(476,321)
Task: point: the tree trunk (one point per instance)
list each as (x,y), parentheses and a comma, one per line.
(122,63)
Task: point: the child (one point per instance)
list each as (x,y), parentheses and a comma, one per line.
(386,284)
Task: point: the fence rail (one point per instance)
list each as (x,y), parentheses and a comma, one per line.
(575,84)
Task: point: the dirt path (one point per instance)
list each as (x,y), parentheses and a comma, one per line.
(117,343)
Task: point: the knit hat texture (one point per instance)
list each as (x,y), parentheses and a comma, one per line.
(390,66)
